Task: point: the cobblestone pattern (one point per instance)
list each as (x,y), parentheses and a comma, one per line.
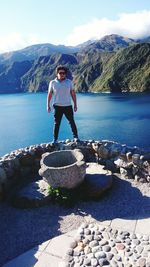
(96,245)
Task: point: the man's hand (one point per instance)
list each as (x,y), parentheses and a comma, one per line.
(48,109)
(49,96)
(73,95)
(75,108)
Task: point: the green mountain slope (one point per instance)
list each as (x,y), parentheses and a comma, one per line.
(109,43)
(92,70)
(43,70)
(10,76)
(89,68)
(127,70)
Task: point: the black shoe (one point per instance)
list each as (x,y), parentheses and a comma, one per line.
(54,142)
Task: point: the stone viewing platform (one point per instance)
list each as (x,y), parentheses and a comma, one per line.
(111,231)
(131,162)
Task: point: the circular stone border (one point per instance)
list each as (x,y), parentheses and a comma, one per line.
(131,162)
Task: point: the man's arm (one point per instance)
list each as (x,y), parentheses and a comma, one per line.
(49,97)
(74,98)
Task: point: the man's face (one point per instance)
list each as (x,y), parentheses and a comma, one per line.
(61,75)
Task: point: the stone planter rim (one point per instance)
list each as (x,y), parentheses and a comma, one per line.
(58,152)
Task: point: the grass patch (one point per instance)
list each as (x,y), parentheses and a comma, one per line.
(67,197)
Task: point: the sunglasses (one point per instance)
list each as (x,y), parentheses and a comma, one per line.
(62,73)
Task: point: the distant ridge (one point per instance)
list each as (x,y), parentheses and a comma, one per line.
(113,63)
(35,51)
(110,43)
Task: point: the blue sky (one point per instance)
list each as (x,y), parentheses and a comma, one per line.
(69,22)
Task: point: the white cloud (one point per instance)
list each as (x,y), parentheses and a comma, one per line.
(132,25)
(15,41)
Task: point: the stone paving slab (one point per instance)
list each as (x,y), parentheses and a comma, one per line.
(143,226)
(124,224)
(55,249)
(27,259)
(106,223)
(42,246)
(90,219)
(59,245)
(47,260)
(48,253)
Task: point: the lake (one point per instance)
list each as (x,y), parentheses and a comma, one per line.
(124,118)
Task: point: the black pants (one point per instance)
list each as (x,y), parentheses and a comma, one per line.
(58,113)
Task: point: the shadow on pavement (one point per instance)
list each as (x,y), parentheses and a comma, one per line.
(23,229)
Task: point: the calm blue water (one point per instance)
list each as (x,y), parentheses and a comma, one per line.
(124,118)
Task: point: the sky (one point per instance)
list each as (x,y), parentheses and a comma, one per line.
(70,22)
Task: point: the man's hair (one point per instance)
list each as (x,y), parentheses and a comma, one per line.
(61,67)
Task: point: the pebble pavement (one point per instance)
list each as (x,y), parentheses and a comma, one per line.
(96,245)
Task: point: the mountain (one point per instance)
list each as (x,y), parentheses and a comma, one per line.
(128,70)
(89,68)
(97,67)
(81,46)
(35,51)
(10,76)
(43,70)
(125,70)
(110,43)
(144,40)
(84,69)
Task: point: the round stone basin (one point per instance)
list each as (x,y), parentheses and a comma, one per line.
(65,168)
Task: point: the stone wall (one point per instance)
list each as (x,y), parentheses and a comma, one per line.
(21,164)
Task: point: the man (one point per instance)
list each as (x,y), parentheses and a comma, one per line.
(62,91)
